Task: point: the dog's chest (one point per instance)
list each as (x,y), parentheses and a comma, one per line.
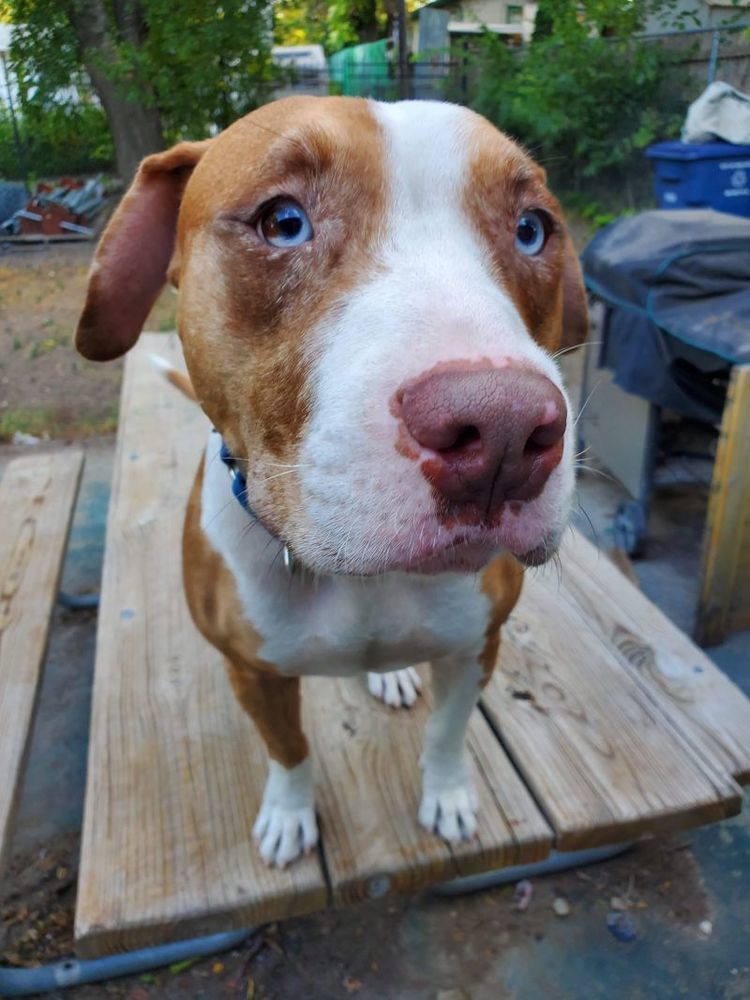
(338,625)
(349,626)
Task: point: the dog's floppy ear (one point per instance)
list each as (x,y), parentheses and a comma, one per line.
(131,261)
(575,319)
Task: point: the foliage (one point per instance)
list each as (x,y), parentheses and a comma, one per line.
(360,21)
(62,139)
(300,22)
(335,24)
(201,65)
(586,105)
(610,17)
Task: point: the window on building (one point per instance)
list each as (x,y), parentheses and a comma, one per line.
(514,13)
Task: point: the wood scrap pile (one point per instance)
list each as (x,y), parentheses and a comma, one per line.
(63,209)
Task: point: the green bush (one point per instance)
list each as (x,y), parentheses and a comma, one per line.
(585,106)
(56,139)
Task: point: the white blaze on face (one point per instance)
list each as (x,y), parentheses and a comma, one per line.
(431,299)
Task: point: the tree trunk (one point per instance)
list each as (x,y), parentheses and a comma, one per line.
(136,128)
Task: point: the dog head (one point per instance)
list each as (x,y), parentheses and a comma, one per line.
(370,298)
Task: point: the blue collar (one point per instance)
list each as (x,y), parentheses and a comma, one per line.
(239,489)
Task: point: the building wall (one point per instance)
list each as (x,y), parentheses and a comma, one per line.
(491,11)
(494,13)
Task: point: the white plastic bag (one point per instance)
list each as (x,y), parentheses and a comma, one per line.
(721,112)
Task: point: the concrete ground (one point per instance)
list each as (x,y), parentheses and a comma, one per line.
(688,896)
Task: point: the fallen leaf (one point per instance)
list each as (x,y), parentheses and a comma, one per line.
(352,985)
(177,967)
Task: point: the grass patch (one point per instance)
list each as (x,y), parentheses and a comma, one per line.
(48,424)
(169,323)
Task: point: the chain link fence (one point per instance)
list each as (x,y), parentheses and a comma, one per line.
(721,53)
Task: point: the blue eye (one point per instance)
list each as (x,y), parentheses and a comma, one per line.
(285,224)
(531,233)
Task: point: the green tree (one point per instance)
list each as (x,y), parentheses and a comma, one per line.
(300,22)
(608,18)
(161,70)
(586,96)
(350,23)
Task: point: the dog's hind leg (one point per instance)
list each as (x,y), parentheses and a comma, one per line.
(286,826)
(397,688)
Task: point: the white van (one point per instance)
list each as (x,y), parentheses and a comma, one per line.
(307,68)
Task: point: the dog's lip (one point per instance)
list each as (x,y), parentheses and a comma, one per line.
(470,553)
(456,555)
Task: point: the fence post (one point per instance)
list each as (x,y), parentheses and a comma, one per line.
(714,58)
(403,52)
(16,134)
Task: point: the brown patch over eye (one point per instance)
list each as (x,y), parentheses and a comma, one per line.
(280,278)
(518,221)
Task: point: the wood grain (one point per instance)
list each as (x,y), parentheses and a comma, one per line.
(367,759)
(693,694)
(37,496)
(603,761)
(724,602)
(176,771)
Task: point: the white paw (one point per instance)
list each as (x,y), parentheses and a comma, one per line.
(397,688)
(284,834)
(449,802)
(286,826)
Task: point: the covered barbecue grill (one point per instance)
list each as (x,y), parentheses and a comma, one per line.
(675,286)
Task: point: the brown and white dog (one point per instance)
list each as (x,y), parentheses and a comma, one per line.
(370,298)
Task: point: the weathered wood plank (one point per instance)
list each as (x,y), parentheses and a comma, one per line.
(724,602)
(696,697)
(369,783)
(37,495)
(598,753)
(176,771)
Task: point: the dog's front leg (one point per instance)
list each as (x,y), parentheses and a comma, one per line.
(286,825)
(449,801)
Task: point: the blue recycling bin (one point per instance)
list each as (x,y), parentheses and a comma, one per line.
(702,175)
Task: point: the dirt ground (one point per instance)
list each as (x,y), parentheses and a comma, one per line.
(46,388)
(366,951)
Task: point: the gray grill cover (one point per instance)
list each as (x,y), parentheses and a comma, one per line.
(678,284)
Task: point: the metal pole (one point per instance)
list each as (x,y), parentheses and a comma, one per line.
(714,59)
(16,134)
(403,52)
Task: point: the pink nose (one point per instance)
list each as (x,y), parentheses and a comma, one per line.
(496,434)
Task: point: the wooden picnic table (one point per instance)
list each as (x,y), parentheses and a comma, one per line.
(602,723)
